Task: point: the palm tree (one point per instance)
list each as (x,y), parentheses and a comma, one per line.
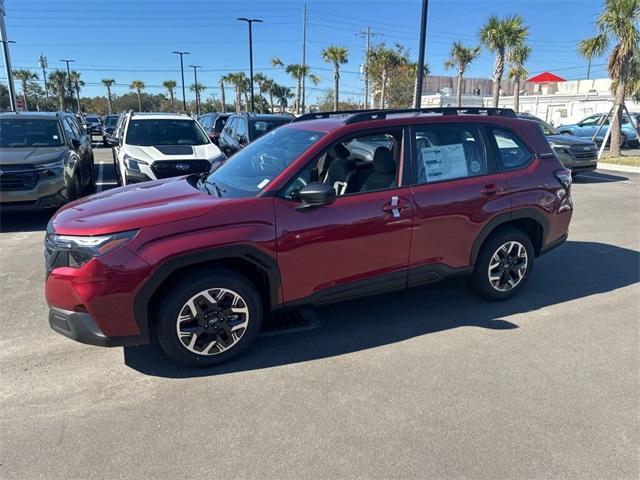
(269,86)
(238,80)
(25,76)
(518,57)
(197,88)
(460,59)
(58,80)
(221,82)
(297,72)
(384,60)
(499,35)
(282,93)
(618,21)
(138,86)
(170,85)
(107,82)
(337,56)
(261,81)
(77,84)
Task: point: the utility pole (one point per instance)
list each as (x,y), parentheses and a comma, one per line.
(69,77)
(304,57)
(42,61)
(184,96)
(197,85)
(423,41)
(368,34)
(250,21)
(7,59)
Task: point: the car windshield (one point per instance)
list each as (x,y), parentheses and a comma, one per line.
(260,127)
(547,129)
(111,121)
(26,132)
(251,169)
(92,119)
(149,132)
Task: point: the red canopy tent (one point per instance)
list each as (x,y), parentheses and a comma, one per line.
(545,77)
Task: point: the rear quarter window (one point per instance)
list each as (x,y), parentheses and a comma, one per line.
(512,152)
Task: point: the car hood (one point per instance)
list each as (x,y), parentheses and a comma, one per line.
(569,140)
(31,155)
(150,154)
(134,206)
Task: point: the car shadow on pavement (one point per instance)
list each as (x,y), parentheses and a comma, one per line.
(598,177)
(25,221)
(574,271)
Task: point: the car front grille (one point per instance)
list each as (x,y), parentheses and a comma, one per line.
(174,168)
(18,177)
(584,152)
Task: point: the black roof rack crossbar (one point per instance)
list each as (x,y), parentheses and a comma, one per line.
(364,115)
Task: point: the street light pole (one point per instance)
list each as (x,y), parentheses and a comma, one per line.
(195,75)
(250,21)
(423,41)
(69,76)
(184,97)
(7,59)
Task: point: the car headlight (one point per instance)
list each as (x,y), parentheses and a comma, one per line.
(51,169)
(75,251)
(133,163)
(558,147)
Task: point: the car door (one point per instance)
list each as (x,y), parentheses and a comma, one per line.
(456,189)
(241,133)
(78,144)
(356,246)
(227,141)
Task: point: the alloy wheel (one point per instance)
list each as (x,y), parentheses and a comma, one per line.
(508,266)
(212,321)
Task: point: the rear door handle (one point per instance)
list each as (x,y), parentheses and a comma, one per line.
(491,189)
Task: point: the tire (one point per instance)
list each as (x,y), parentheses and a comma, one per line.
(75,190)
(176,313)
(480,281)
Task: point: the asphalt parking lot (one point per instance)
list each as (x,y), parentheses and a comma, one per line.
(430,383)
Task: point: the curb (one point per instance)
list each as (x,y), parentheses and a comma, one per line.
(618,168)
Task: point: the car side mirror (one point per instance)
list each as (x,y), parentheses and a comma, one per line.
(316,194)
(112,141)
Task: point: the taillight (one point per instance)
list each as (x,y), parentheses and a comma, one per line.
(564,178)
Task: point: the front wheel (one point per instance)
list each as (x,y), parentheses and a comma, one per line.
(503,265)
(209,318)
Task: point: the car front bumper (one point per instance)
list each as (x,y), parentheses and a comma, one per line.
(47,193)
(81,327)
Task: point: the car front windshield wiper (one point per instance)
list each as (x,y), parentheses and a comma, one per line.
(208,183)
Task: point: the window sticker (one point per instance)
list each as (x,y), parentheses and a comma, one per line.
(263,183)
(444,162)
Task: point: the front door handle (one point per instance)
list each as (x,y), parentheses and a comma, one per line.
(395,206)
(491,189)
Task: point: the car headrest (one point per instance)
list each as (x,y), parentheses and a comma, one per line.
(339,151)
(383,161)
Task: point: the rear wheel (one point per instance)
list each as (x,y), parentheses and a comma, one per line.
(209,318)
(503,265)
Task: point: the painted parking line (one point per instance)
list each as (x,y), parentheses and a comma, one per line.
(100,181)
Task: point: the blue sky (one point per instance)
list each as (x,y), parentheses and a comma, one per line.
(133,39)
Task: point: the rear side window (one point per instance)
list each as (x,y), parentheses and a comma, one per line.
(448,152)
(512,153)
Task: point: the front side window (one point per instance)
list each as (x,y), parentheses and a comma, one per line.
(147,132)
(241,130)
(512,153)
(69,128)
(22,132)
(354,165)
(251,169)
(448,152)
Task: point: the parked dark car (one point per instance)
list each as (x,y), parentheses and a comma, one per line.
(588,127)
(243,128)
(213,123)
(45,160)
(109,127)
(94,124)
(294,219)
(576,153)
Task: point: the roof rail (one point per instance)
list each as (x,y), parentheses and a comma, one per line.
(320,115)
(364,115)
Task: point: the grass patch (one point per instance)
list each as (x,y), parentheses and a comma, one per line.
(632,161)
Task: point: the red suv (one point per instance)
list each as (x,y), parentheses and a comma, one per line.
(330,207)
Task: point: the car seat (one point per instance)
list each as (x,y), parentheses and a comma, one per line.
(384,171)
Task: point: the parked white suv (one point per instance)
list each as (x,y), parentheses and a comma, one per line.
(149,146)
